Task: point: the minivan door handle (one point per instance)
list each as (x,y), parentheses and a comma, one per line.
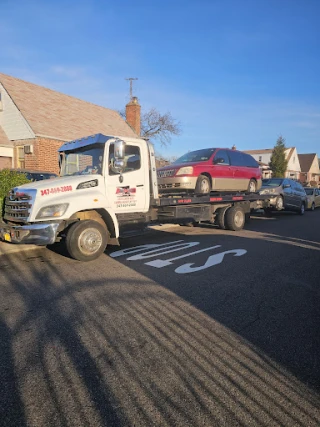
(140,185)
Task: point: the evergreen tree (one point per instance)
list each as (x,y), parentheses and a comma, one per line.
(278,162)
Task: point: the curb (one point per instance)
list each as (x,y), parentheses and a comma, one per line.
(163,226)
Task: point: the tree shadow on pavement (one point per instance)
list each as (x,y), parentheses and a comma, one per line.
(119,342)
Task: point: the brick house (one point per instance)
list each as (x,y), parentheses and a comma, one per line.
(310,171)
(35,121)
(263,157)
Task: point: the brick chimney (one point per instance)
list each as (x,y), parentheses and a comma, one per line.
(133,114)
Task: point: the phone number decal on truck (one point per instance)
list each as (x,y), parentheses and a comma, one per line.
(56,190)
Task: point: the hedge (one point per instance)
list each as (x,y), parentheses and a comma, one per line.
(8,180)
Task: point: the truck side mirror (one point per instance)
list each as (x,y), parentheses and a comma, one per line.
(119,149)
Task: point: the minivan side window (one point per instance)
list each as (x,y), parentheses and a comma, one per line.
(221,158)
(236,159)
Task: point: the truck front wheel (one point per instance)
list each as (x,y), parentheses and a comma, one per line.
(86,240)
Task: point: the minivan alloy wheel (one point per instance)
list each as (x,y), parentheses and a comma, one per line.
(252,188)
(203,185)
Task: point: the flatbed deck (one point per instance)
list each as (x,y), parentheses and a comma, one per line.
(212,198)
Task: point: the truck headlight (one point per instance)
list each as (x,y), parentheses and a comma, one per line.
(52,211)
(187,170)
(88,184)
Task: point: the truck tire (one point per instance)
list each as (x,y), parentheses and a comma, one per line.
(235,218)
(86,240)
(203,185)
(220,220)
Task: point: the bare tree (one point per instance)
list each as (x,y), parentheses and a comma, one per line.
(159,126)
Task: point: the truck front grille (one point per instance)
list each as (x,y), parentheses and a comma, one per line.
(17,206)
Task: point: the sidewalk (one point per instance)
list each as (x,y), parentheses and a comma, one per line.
(10,248)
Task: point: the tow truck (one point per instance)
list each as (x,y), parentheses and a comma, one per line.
(108,189)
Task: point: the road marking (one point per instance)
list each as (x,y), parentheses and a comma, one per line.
(153,250)
(173,247)
(159,263)
(211,261)
(138,249)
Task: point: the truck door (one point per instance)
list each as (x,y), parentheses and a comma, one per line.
(128,192)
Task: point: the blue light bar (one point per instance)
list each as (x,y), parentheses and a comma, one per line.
(83,142)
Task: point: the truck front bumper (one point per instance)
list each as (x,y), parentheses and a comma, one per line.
(35,234)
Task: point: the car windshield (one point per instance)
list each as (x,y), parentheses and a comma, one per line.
(83,161)
(274,182)
(196,156)
(309,191)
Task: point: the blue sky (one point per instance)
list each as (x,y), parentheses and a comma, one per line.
(237,72)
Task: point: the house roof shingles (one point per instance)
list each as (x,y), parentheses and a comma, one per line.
(56,115)
(306,161)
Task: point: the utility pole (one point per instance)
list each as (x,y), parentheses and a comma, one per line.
(131,79)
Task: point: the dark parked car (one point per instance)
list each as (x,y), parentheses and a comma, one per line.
(286,193)
(211,169)
(36,175)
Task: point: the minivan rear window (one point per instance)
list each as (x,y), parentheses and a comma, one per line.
(196,156)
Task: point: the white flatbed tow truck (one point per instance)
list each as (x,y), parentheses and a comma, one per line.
(108,189)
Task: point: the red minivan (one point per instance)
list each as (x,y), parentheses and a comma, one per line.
(211,169)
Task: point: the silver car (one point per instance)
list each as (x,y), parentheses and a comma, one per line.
(313,198)
(286,194)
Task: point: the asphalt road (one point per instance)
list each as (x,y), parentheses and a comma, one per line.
(199,327)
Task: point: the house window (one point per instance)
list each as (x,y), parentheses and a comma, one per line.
(20,157)
(260,158)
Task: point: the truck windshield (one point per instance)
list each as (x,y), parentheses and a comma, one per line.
(83,161)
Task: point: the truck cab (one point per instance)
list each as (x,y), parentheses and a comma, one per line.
(101,178)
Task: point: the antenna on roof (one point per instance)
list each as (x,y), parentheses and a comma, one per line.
(131,79)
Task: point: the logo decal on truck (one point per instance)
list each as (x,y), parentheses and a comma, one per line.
(125,191)
(126,197)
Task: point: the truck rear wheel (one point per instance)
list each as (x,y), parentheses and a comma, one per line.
(86,240)
(235,218)
(220,220)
